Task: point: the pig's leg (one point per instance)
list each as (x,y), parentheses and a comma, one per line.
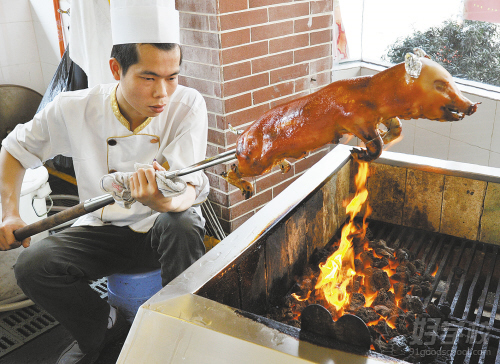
(393,132)
(373,142)
(234,178)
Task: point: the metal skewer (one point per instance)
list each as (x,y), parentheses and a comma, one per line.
(96,203)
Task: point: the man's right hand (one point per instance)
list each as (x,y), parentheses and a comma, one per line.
(7,238)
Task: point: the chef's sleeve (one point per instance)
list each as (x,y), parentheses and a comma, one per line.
(189,147)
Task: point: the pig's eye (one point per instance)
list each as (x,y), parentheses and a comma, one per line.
(440,85)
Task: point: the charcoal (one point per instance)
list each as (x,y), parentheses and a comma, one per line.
(400,277)
(415,290)
(428,278)
(426,288)
(391,296)
(381,252)
(412,303)
(381,299)
(357,300)
(401,255)
(358,249)
(381,346)
(403,268)
(415,279)
(379,279)
(400,289)
(358,265)
(401,325)
(382,310)
(380,262)
(367,257)
(399,346)
(445,309)
(411,267)
(367,314)
(380,244)
(419,265)
(385,330)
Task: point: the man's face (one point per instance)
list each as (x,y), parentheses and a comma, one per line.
(144,91)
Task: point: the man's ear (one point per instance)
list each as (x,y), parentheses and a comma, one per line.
(115,68)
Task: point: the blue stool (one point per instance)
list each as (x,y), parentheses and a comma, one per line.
(128,291)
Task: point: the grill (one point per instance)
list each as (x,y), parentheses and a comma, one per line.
(444,212)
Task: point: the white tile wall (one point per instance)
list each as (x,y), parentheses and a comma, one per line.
(29,48)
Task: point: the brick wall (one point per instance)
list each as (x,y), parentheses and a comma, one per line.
(245,57)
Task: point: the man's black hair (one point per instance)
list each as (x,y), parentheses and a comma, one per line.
(127,54)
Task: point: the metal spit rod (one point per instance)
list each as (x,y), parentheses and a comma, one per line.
(96,203)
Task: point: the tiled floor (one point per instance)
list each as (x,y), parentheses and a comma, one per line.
(46,348)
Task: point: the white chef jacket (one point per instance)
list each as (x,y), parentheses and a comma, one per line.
(87,126)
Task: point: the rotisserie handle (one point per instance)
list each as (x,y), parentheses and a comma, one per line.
(63,216)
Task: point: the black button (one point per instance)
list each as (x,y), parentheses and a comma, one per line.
(112,142)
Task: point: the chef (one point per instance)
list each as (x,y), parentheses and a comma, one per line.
(146,117)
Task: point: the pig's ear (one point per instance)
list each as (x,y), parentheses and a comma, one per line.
(413,65)
(420,53)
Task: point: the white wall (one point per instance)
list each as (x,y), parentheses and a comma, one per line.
(29,48)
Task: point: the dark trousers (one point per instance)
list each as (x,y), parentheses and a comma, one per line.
(54,272)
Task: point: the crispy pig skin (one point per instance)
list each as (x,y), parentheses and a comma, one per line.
(353,106)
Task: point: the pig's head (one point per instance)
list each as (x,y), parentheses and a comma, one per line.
(435,94)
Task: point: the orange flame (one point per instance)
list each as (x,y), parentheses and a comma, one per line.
(337,272)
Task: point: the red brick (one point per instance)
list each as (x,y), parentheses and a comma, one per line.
(238,102)
(322,64)
(289,73)
(289,11)
(273,92)
(197,6)
(220,121)
(321,6)
(199,38)
(205,87)
(303,84)
(272,179)
(201,70)
(259,3)
(218,197)
(279,188)
(243,19)
(235,38)
(244,52)
(251,204)
(234,224)
(200,55)
(316,22)
(305,163)
(236,70)
(229,6)
(245,84)
(194,21)
(306,54)
(212,120)
(247,115)
(323,36)
(274,30)
(290,42)
(216,136)
(214,105)
(270,62)
(214,25)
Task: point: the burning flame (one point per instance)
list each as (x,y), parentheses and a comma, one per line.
(337,272)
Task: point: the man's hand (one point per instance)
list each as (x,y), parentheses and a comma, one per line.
(144,189)
(7,238)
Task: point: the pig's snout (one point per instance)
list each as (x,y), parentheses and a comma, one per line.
(472,108)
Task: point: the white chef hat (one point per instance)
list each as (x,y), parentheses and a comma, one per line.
(144,21)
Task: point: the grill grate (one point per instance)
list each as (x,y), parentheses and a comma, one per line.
(20,326)
(467,281)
